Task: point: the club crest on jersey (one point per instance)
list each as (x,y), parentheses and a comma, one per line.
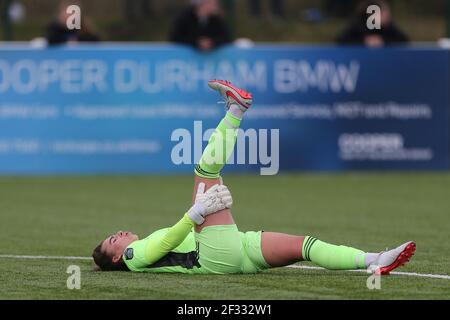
(128,254)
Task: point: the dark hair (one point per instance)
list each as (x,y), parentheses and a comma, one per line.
(104,261)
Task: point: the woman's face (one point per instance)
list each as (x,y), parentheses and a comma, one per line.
(386,16)
(207,8)
(115,244)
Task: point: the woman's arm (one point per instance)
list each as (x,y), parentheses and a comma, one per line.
(157,249)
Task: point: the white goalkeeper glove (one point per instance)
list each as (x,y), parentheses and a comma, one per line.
(225,196)
(217,198)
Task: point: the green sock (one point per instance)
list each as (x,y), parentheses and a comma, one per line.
(331,256)
(220,147)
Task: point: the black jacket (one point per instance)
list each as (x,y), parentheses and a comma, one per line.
(187,29)
(59,34)
(356,33)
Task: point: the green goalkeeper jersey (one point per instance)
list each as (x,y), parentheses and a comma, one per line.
(217,249)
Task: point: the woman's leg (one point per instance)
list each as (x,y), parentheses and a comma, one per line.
(280,250)
(220,147)
(214,157)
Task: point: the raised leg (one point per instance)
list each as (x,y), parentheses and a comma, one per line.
(220,146)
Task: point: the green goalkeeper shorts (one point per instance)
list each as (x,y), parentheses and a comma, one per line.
(224,249)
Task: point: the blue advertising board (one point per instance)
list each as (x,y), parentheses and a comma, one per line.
(131,109)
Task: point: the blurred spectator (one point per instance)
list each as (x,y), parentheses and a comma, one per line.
(359,33)
(276,8)
(201,26)
(58,33)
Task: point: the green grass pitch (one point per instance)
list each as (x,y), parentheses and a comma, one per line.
(68,216)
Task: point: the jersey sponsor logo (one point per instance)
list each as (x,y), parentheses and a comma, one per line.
(129,254)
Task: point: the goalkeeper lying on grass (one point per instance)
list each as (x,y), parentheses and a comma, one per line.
(207,241)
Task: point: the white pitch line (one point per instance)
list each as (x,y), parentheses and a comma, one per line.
(10,256)
(411,274)
(294,266)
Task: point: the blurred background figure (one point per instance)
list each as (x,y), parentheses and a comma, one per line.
(307,21)
(276,8)
(11,12)
(201,26)
(58,33)
(358,33)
